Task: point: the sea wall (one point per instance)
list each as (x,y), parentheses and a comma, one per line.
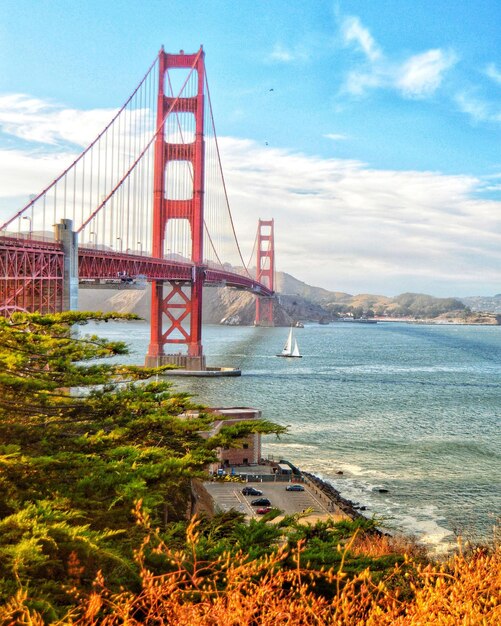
(328,493)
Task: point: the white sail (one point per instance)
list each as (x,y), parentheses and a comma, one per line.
(288,344)
(291,348)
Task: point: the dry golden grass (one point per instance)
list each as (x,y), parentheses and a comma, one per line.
(382,545)
(237,592)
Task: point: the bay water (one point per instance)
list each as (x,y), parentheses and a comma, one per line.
(410,409)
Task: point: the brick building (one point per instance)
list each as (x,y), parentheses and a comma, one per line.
(249,453)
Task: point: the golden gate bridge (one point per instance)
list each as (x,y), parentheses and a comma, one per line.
(147,198)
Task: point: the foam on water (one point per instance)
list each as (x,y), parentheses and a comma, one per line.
(424,523)
(426,527)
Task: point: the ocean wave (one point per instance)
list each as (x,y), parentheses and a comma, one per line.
(425,523)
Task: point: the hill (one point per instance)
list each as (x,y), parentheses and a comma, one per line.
(298,301)
(490,304)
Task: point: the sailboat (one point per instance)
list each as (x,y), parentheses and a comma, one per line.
(291,349)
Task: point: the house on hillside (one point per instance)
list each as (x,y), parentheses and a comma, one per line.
(249,451)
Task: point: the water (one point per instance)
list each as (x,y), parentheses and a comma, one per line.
(413,409)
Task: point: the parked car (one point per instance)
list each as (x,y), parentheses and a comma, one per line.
(251,491)
(294,488)
(263,510)
(261,502)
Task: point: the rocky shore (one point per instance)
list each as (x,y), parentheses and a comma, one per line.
(332,494)
(347,506)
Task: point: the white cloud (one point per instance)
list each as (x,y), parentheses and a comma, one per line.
(25,173)
(354,32)
(38,121)
(344,226)
(336,136)
(477,108)
(418,76)
(492,72)
(422,74)
(279,53)
(339,224)
(283,54)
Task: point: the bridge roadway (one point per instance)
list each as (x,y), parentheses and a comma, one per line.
(95,264)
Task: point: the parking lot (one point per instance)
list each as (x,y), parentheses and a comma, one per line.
(228,495)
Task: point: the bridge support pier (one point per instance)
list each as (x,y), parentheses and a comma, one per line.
(180,307)
(64,233)
(264,312)
(185,361)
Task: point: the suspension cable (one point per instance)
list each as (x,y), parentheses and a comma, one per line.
(222,176)
(148,145)
(89,147)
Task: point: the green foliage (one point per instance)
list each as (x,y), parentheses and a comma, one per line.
(421,305)
(81,442)
(405,305)
(36,543)
(231,435)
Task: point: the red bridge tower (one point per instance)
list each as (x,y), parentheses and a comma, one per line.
(265,271)
(180,304)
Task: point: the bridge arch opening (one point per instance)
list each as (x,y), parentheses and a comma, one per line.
(178,240)
(179,128)
(178,183)
(181,82)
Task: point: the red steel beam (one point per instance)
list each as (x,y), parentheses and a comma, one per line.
(95,264)
(31,276)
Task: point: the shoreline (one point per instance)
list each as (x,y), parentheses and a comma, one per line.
(436,322)
(334,496)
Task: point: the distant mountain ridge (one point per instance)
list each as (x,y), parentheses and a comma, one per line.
(298,301)
(337,303)
(490,304)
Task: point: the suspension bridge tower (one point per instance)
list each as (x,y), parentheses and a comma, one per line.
(176,305)
(137,204)
(265,271)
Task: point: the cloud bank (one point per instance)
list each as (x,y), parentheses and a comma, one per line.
(339,223)
(35,120)
(342,225)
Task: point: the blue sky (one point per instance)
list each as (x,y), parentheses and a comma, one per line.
(379,123)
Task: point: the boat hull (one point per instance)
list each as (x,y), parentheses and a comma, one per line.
(290,356)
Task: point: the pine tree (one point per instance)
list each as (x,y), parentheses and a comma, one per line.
(81,442)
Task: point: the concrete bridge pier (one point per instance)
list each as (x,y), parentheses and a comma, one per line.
(64,234)
(185,361)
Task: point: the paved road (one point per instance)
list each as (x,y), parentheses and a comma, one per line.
(229,496)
